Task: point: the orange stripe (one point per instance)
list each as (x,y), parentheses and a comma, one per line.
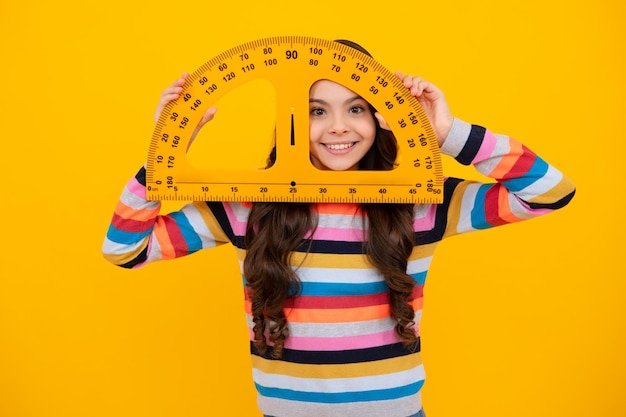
(126,212)
(160,234)
(507,161)
(343,315)
(347,209)
(504,208)
(418,304)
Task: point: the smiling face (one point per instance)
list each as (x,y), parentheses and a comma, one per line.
(341,126)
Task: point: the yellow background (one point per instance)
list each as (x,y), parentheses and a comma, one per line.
(522,320)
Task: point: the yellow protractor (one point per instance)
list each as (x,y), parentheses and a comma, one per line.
(292,64)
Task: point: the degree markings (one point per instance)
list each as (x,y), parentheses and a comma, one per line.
(292,64)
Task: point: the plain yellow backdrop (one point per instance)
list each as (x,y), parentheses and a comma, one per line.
(522,320)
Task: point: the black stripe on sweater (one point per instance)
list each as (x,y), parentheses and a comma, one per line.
(473,144)
(441,216)
(217,208)
(553,206)
(141,257)
(140,176)
(316,357)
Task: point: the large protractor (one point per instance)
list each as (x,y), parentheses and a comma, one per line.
(292,64)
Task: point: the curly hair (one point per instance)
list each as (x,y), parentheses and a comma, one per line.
(276,230)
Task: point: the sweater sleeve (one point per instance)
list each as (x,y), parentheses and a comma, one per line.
(525,185)
(138,234)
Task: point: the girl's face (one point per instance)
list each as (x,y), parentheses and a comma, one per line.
(341,126)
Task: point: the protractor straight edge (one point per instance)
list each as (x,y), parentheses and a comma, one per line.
(291,64)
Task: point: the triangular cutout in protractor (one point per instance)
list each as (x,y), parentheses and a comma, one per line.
(291,65)
(242,133)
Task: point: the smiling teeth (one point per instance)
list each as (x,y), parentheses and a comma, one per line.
(340,146)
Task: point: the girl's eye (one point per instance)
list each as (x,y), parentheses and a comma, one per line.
(316,111)
(356,109)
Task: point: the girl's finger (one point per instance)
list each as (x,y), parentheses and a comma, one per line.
(208,116)
(169,97)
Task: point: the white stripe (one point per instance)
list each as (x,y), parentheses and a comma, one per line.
(133,201)
(421,211)
(340,221)
(114,248)
(418,265)
(339,275)
(401,407)
(551,179)
(519,208)
(240,211)
(467,204)
(199,226)
(502,148)
(154,253)
(457,137)
(330,330)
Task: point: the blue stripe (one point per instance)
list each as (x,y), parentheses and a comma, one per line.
(341,397)
(189,234)
(536,171)
(324,289)
(124,237)
(419,277)
(479,218)
(339,289)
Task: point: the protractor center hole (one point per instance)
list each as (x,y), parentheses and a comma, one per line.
(241,136)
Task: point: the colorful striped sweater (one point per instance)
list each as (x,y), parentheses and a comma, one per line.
(342,356)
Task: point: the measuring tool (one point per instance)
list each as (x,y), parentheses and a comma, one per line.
(292,64)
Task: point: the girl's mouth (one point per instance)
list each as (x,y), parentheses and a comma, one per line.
(339,146)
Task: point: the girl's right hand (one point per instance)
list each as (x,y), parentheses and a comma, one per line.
(172,93)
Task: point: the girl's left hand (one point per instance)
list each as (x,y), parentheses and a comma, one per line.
(432,101)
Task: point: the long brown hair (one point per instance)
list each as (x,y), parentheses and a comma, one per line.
(275,230)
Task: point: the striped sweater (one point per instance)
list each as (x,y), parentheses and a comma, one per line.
(342,356)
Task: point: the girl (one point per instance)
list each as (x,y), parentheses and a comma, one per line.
(334,291)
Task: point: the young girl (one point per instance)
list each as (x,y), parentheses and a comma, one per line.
(334,291)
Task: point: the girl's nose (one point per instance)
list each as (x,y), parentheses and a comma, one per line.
(338,126)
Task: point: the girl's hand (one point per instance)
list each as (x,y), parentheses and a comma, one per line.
(433,102)
(172,93)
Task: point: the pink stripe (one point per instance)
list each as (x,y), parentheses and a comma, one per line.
(486,149)
(338,234)
(239,227)
(136,188)
(340,343)
(147,258)
(427,222)
(534,211)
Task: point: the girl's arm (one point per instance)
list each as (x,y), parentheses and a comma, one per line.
(138,234)
(524,185)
